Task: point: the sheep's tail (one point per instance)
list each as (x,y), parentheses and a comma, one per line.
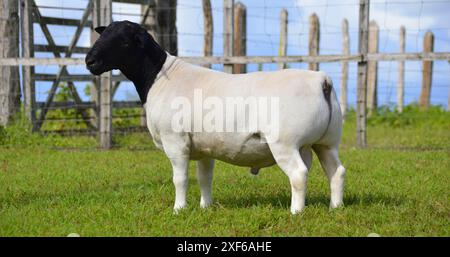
(327,88)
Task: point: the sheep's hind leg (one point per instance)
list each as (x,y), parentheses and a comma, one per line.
(291,163)
(329,159)
(205,169)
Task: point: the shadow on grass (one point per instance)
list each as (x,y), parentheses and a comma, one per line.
(284,200)
(276,198)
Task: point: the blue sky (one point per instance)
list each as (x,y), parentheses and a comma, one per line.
(263,37)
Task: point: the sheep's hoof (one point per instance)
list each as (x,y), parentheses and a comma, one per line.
(205,204)
(254,171)
(296,211)
(334,206)
(178,209)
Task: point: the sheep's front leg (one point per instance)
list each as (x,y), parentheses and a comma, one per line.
(180,180)
(205,169)
(176,148)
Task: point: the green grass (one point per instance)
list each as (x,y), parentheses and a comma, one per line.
(399,186)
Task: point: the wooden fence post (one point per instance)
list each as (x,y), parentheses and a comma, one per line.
(148,20)
(372,68)
(95,88)
(240,36)
(208,30)
(160,21)
(283,36)
(344,75)
(105,18)
(363,38)
(228,32)
(166,16)
(401,73)
(427,70)
(314,39)
(9,47)
(26,16)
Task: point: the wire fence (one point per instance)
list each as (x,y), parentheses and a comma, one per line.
(74,114)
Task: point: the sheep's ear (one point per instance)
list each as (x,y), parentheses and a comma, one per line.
(100,29)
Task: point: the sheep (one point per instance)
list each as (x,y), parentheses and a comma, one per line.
(308,114)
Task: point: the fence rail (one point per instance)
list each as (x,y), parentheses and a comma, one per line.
(435,56)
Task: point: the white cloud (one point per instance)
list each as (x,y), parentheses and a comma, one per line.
(413,15)
(394,18)
(416,16)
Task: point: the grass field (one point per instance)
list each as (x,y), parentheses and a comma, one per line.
(399,186)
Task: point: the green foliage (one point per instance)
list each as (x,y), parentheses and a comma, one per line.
(87,89)
(61,119)
(411,129)
(386,128)
(71,119)
(2,135)
(126,117)
(411,116)
(19,134)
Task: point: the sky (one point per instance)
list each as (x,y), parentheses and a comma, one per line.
(418,16)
